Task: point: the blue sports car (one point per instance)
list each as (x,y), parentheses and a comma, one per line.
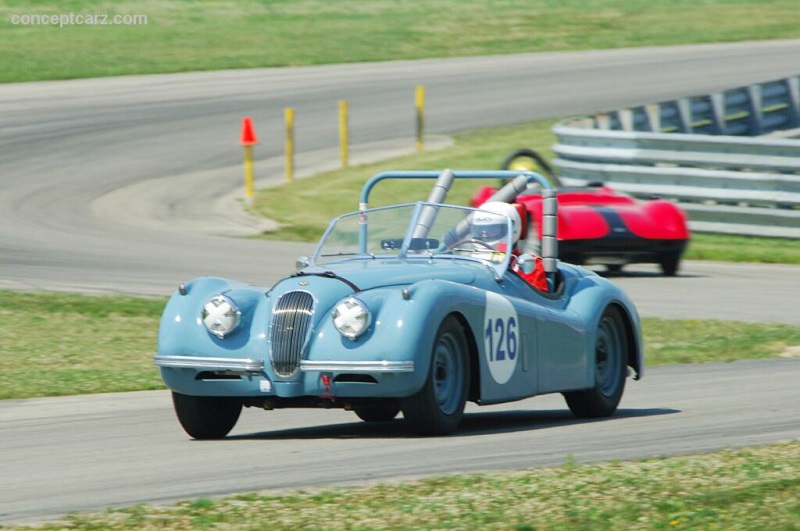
(405,308)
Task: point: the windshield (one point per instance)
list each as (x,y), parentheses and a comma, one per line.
(418,231)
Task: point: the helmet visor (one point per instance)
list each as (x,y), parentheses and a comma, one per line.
(489,232)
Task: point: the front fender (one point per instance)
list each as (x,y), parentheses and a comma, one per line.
(181,331)
(591,296)
(404,326)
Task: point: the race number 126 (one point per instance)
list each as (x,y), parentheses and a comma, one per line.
(501,338)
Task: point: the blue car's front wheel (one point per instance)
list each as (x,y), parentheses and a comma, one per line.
(438,407)
(206,417)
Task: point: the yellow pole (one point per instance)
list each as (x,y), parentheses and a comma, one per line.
(343,133)
(288,117)
(248,139)
(419,101)
(248,172)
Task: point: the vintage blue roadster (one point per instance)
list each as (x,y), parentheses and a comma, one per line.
(403,308)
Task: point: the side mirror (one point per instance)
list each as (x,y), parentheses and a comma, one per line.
(526,263)
(301,262)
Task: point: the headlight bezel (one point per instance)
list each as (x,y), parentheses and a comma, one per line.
(216,326)
(351,318)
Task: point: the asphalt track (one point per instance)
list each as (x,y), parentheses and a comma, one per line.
(131,185)
(91,452)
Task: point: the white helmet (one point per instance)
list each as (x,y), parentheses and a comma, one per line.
(489,223)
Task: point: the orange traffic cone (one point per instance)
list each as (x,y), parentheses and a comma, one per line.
(248,132)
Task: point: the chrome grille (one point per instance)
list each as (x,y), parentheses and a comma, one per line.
(291,322)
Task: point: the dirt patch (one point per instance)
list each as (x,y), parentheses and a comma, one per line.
(791,352)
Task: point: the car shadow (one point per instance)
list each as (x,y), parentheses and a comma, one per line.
(471,425)
(642,274)
(527,420)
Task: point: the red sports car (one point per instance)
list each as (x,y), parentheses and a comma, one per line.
(597,225)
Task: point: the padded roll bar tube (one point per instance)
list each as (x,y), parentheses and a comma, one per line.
(549,235)
(437,195)
(509,192)
(506,194)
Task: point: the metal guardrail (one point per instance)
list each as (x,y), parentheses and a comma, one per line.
(728,158)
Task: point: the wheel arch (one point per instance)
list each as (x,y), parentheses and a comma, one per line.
(632,339)
(474,391)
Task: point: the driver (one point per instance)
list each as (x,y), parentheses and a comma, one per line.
(489,224)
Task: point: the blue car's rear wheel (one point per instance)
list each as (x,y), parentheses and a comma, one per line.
(438,407)
(611,355)
(206,417)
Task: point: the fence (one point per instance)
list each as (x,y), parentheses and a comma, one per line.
(728,158)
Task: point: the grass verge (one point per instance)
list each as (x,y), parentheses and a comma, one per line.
(64,344)
(733,248)
(755,488)
(184,35)
(333,193)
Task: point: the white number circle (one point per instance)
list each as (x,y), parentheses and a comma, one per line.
(501,338)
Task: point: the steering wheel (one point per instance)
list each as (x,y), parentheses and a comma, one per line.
(479,242)
(478,246)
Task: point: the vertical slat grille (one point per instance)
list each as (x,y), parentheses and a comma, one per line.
(291,320)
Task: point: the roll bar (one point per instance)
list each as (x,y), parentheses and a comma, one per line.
(458,174)
(518,182)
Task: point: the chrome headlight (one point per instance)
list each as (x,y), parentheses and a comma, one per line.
(220,316)
(351,318)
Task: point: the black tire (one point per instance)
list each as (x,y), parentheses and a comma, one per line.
(611,360)
(377,412)
(526,153)
(206,417)
(669,263)
(438,407)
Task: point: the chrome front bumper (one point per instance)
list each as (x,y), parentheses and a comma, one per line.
(250,366)
(241,365)
(357,366)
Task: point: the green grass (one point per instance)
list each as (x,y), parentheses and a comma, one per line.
(755,488)
(64,344)
(693,341)
(187,35)
(731,248)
